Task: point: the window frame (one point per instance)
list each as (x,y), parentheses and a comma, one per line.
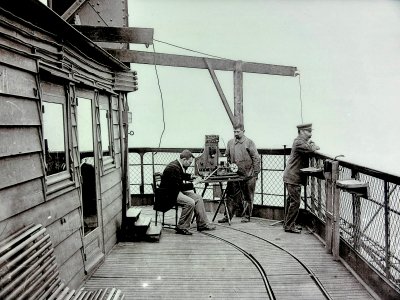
(109,160)
(60,181)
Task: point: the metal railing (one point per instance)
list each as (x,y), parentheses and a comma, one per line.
(371,227)
(143,162)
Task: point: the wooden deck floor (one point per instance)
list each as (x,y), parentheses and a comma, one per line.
(205,267)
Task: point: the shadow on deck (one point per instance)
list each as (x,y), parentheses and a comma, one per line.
(213,266)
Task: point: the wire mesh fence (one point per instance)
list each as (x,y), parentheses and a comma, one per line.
(144,162)
(370,226)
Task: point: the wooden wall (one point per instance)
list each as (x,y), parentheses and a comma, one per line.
(26,54)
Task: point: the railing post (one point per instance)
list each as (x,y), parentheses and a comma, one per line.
(141,173)
(387,230)
(356,215)
(262,180)
(336,211)
(284,186)
(329,206)
(319,201)
(312,186)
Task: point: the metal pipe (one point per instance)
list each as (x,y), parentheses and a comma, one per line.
(110,294)
(60,289)
(27,275)
(15,250)
(31,279)
(27,271)
(14,262)
(17,237)
(14,235)
(70,295)
(39,282)
(46,288)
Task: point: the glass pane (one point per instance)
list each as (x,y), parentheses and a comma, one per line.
(54,137)
(105,133)
(85,139)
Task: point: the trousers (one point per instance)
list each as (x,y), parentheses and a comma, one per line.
(240,196)
(191,203)
(293,200)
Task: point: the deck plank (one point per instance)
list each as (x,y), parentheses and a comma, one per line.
(201,267)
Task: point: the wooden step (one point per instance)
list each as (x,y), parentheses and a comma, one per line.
(133,213)
(153,233)
(143,221)
(154,230)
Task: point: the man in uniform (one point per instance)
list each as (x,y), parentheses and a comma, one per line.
(293,179)
(243,152)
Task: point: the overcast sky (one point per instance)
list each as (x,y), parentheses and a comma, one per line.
(348,54)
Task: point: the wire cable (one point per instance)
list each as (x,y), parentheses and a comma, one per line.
(187,49)
(162,98)
(301,100)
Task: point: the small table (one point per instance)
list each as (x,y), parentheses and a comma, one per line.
(221,179)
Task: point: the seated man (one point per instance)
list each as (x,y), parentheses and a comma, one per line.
(172,180)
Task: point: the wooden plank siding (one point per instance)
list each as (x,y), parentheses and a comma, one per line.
(37,65)
(18,111)
(16,200)
(27,142)
(18,169)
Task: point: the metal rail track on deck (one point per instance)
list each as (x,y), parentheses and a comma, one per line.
(259,266)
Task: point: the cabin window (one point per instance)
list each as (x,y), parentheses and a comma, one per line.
(106,132)
(54,138)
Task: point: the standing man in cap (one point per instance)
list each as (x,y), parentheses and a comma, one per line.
(174,180)
(293,179)
(243,152)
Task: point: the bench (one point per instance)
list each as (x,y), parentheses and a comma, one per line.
(28,270)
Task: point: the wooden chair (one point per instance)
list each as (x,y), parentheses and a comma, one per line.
(161,195)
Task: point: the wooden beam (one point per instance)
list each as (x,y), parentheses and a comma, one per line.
(238,92)
(72,9)
(117,34)
(172,60)
(220,92)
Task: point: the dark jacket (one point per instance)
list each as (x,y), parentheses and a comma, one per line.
(299,158)
(172,182)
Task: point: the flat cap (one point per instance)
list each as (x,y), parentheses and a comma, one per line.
(305,126)
(186,154)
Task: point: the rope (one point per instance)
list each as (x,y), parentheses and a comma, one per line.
(161,94)
(195,51)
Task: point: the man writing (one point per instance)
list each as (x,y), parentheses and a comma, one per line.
(243,152)
(293,179)
(174,180)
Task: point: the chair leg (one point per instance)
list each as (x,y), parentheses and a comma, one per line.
(163,219)
(176,215)
(156,218)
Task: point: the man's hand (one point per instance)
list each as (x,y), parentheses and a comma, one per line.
(197,179)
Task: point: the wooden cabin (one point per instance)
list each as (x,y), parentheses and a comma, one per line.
(63,136)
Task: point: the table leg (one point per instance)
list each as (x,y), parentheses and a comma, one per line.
(223,200)
(204,190)
(216,212)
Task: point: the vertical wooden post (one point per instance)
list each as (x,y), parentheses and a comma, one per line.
(356,205)
(313,187)
(329,206)
(336,211)
(238,92)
